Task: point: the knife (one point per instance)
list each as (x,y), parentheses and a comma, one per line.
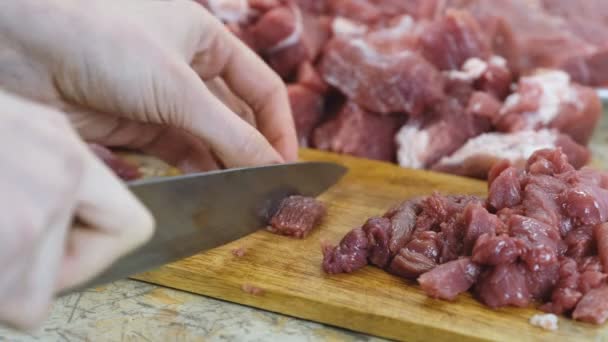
(202,211)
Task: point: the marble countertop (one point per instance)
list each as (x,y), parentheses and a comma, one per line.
(130,310)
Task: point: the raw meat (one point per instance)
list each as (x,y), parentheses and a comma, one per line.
(297,216)
(357,132)
(122,168)
(476,157)
(593,307)
(349,255)
(448,280)
(423,142)
(541,237)
(413,58)
(452,39)
(378,231)
(307,107)
(381,81)
(547,99)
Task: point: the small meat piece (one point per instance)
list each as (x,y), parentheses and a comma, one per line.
(252,290)
(239,252)
(451,40)
(350,254)
(542,281)
(593,307)
(505,190)
(378,230)
(540,201)
(359,133)
(408,264)
(587,204)
(403,223)
(540,241)
(580,242)
(272,28)
(357,10)
(496,79)
(297,216)
(495,250)
(601,236)
(382,82)
(483,105)
(549,162)
(310,78)
(565,295)
(418,256)
(122,168)
(477,155)
(307,108)
(504,285)
(545,321)
(303,45)
(437,209)
(425,243)
(448,280)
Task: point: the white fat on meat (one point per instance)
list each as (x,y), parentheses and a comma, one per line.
(296,35)
(555,90)
(412,145)
(511,146)
(545,321)
(341,26)
(230,11)
(471,70)
(400,27)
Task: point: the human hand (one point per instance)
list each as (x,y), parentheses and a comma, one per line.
(133,74)
(49,177)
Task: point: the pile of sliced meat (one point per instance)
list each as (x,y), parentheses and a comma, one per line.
(444,85)
(540,237)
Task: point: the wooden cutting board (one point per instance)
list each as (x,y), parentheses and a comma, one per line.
(288,271)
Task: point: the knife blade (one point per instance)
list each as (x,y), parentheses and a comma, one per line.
(202,211)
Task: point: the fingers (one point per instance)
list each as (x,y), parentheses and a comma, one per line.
(232,139)
(174,146)
(222,54)
(116,223)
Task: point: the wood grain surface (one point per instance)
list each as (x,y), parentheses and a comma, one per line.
(287,277)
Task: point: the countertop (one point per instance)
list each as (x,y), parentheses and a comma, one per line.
(130,310)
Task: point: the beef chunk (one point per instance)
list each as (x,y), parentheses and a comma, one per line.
(448,280)
(505,189)
(360,133)
(409,264)
(601,236)
(297,216)
(418,256)
(378,230)
(548,99)
(350,254)
(496,250)
(452,39)
(504,285)
(307,108)
(403,223)
(593,307)
(382,82)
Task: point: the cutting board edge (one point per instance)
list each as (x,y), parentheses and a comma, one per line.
(273,301)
